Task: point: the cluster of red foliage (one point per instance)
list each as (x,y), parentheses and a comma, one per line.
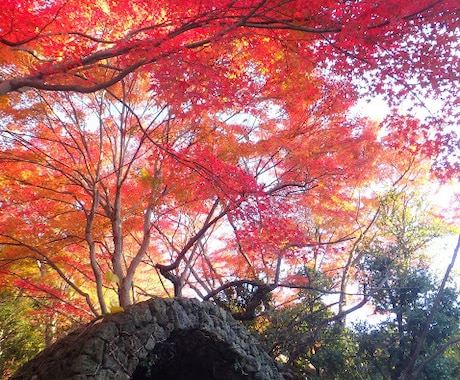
(208,141)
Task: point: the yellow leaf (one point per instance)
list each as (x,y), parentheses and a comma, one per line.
(116,310)
(144,174)
(111,278)
(104,6)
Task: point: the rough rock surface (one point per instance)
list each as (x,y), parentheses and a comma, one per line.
(157,339)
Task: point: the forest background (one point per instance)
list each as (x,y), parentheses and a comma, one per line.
(212,149)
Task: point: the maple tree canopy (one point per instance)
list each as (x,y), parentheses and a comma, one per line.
(213,141)
(231,49)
